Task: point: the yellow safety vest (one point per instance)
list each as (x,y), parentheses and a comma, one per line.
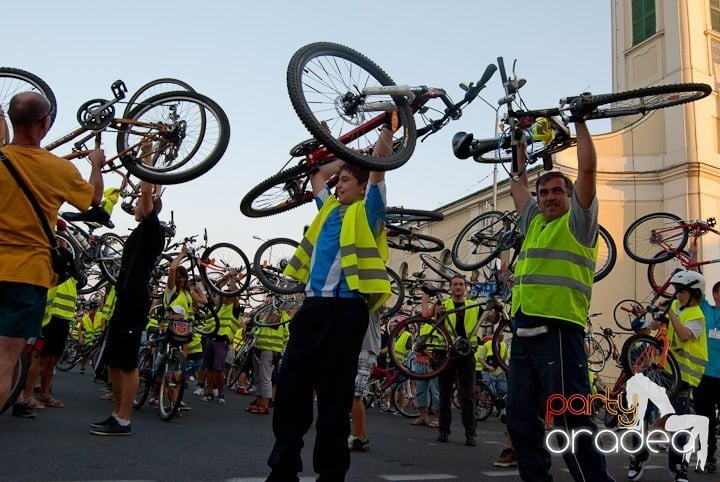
(61,301)
(237,340)
(554,272)
(401,346)
(362,255)
(110,300)
(111,196)
(691,355)
(195,345)
(470,319)
(486,351)
(272,338)
(92,327)
(228,321)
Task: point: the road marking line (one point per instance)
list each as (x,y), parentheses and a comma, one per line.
(418,477)
(501,473)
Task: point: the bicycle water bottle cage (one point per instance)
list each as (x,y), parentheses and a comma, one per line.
(118,89)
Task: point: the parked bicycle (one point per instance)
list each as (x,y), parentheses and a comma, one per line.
(75,352)
(389,389)
(342,98)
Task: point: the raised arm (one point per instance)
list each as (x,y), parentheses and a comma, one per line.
(587,166)
(519,189)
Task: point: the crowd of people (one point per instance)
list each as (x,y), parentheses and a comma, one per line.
(334,339)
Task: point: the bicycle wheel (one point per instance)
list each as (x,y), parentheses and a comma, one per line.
(438,267)
(626,311)
(70,356)
(13,81)
(145,376)
(190,133)
(642,353)
(110,251)
(654,237)
(395,215)
(660,273)
(217,262)
(484,401)
(607,254)
(430,342)
(639,101)
(605,341)
(595,355)
(206,320)
(172,385)
(409,241)
(238,364)
(270,261)
(277,312)
(326,84)
(479,241)
(502,334)
(397,295)
(153,88)
(285,190)
(404,397)
(17,382)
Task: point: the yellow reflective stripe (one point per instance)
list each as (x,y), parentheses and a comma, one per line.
(539,279)
(548,254)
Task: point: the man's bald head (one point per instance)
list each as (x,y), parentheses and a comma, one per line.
(27,108)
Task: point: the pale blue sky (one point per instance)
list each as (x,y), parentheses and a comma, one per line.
(237,54)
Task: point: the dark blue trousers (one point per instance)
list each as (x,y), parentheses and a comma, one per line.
(540,366)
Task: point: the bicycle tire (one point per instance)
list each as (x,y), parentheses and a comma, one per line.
(153,88)
(70,356)
(484,401)
(411,242)
(183,149)
(639,355)
(17,382)
(110,256)
(640,101)
(426,338)
(206,320)
(216,263)
(269,263)
(408,406)
(502,333)
(595,355)
(625,312)
(13,81)
(400,215)
(654,237)
(397,295)
(238,363)
(324,79)
(172,382)
(281,192)
(605,343)
(276,313)
(607,254)
(659,274)
(145,377)
(478,242)
(438,267)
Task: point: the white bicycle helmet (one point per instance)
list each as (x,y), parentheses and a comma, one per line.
(689,279)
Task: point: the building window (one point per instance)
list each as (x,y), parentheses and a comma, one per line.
(643,19)
(715,15)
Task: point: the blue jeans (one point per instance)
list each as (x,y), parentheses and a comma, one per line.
(540,366)
(423,386)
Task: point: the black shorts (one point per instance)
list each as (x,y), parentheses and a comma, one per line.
(122,346)
(55,335)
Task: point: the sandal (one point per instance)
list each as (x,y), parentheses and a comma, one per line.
(35,404)
(51,402)
(259,410)
(419,422)
(434,424)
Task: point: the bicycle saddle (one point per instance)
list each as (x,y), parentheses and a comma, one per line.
(93,215)
(431,290)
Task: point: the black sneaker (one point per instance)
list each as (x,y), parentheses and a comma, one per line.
(443,437)
(680,473)
(102,423)
(470,441)
(20,409)
(635,470)
(112,428)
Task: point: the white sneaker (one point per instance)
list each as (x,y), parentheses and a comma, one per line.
(199,391)
(635,470)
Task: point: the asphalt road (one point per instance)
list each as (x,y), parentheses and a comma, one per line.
(225,443)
